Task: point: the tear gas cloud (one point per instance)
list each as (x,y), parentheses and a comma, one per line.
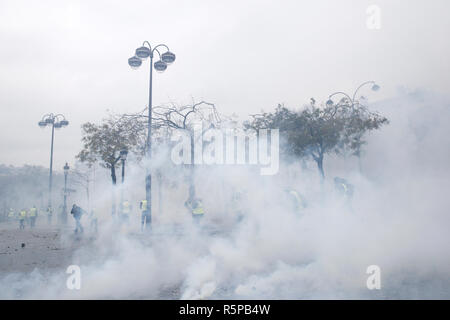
(398,220)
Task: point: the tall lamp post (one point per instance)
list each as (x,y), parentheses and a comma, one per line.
(135,62)
(353,101)
(64,212)
(123,158)
(56,121)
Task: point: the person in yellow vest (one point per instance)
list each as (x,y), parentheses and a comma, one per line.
(145,217)
(343,187)
(49,214)
(32,214)
(196,208)
(22,217)
(11,214)
(298,202)
(126,210)
(345,190)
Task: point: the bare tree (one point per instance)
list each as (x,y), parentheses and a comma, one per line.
(83,176)
(170,117)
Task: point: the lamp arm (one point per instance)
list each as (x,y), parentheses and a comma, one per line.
(360,86)
(148,44)
(343,93)
(162,45)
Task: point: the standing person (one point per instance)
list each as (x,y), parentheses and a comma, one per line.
(197,211)
(196,208)
(77,212)
(49,214)
(22,217)
(345,190)
(32,214)
(145,217)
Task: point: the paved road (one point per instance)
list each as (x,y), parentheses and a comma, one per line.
(50,250)
(43,247)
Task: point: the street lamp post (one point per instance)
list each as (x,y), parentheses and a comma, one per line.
(123,157)
(64,212)
(57,121)
(352,102)
(135,62)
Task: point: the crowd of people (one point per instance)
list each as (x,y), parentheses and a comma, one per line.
(27,217)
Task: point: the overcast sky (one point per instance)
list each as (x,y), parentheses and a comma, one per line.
(70,57)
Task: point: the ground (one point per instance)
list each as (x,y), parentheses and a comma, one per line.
(49,250)
(41,247)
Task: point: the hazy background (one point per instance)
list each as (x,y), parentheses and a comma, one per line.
(70,57)
(398,219)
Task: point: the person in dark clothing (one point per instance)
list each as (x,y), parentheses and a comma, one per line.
(77,213)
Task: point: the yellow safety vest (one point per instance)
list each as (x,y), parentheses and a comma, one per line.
(23,214)
(198,209)
(33,212)
(11,214)
(298,199)
(143,205)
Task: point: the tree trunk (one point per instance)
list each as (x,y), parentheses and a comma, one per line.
(114,181)
(358,155)
(192,173)
(319,161)
(360,164)
(88,199)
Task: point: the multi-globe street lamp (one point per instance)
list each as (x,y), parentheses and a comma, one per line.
(56,121)
(135,62)
(64,212)
(352,100)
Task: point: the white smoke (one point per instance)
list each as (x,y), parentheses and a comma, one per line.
(398,220)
